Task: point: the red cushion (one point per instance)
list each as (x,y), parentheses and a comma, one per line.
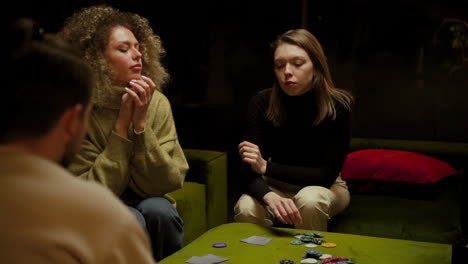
(394,166)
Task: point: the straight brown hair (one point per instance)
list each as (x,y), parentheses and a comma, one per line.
(322,84)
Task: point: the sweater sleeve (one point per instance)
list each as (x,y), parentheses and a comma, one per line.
(107,163)
(158,165)
(337,147)
(130,244)
(255,184)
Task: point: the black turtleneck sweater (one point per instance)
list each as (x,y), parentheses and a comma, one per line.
(300,153)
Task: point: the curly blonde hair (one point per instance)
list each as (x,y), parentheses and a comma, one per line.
(89,29)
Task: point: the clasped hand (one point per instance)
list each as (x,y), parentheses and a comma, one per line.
(134,105)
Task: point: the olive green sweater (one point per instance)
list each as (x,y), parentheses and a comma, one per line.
(150,164)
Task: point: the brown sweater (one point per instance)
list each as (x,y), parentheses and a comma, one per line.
(49,216)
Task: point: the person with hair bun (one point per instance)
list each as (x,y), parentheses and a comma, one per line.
(132,146)
(298,135)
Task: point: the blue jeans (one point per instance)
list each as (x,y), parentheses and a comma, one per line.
(162,223)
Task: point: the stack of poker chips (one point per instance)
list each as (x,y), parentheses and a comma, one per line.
(312,253)
(312,256)
(312,237)
(336,260)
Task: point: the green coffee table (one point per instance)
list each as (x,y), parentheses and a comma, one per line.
(360,249)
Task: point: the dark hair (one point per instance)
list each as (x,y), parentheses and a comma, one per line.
(43,79)
(322,84)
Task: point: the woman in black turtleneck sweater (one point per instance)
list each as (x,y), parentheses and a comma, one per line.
(298,134)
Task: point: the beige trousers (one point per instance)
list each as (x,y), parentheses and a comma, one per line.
(316,204)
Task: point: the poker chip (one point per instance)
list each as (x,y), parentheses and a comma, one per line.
(306,239)
(318,241)
(317,234)
(311,253)
(287,261)
(314,252)
(298,236)
(309,260)
(297,242)
(328,245)
(219,245)
(335,259)
(310,245)
(324,256)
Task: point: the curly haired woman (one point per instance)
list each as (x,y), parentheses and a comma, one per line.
(132,145)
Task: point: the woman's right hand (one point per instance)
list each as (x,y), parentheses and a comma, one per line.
(251,154)
(141,92)
(284,208)
(125,116)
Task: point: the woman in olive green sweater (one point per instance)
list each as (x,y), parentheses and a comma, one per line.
(132,145)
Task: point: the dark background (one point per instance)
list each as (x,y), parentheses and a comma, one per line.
(382,51)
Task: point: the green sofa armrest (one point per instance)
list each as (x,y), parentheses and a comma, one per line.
(191,205)
(202,201)
(210,168)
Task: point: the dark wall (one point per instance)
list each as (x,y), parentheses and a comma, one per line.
(383,52)
(218,55)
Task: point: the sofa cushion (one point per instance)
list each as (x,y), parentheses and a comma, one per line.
(374,165)
(436,220)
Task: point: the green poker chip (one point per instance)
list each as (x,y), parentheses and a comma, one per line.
(312,253)
(297,242)
(318,241)
(318,234)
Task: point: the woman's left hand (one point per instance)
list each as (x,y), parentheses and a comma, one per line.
(141,92)
(250,153)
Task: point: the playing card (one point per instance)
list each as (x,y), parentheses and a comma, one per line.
(257,240)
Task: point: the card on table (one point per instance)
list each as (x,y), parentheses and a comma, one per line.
(257,240)
(210,258)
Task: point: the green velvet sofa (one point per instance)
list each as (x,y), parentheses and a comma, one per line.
(202,201)
(431,214)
